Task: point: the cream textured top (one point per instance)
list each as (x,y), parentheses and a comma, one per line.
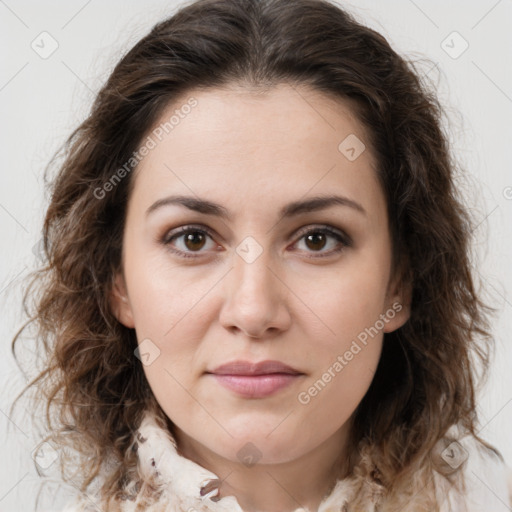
(188,487)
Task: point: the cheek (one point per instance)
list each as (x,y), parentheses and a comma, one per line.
(343,306)
(165,298)
(347,346)
(170,313)
(347,342)
(334,392)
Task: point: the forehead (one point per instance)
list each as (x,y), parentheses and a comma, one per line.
(238,143)
(244,118)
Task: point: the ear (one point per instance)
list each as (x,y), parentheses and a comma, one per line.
(398,301)
(120,303)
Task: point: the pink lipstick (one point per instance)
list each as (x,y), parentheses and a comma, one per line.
(255,380)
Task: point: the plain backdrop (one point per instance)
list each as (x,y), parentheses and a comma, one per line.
(43,97)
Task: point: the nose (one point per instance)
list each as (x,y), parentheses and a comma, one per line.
(255,300)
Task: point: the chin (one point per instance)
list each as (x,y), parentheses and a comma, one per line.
(255,446)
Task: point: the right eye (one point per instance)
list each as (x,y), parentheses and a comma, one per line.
(187,240)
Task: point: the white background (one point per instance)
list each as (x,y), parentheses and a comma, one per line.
(42,100)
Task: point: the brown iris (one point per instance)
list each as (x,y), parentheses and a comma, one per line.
(316,240)
(194,240)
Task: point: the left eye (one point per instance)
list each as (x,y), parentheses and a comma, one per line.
(317,239)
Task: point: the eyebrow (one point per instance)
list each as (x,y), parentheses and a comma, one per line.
(295,208)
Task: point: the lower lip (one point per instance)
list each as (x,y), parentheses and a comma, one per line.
(256,386)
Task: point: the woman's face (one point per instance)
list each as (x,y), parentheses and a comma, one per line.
(286,257)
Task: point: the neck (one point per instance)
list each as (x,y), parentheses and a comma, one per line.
(284,487)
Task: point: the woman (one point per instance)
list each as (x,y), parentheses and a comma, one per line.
(258,294)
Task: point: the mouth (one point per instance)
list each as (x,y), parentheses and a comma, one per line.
(246,368)
(255,380)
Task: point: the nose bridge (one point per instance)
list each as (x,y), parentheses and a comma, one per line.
(252,273)
(253,296)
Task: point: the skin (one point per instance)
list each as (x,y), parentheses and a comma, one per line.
(253,153)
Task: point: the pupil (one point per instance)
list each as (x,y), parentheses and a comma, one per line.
(315,238)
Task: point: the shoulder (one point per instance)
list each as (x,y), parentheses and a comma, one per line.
(487,480)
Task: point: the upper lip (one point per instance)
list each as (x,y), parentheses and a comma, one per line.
(248,368)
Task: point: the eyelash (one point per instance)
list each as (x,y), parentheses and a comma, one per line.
(341,237)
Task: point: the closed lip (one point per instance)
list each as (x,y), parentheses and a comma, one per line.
(249,368)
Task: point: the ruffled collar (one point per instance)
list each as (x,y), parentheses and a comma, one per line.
(165,481)
(184,485)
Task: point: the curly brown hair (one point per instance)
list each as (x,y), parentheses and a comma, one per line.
(94,390)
